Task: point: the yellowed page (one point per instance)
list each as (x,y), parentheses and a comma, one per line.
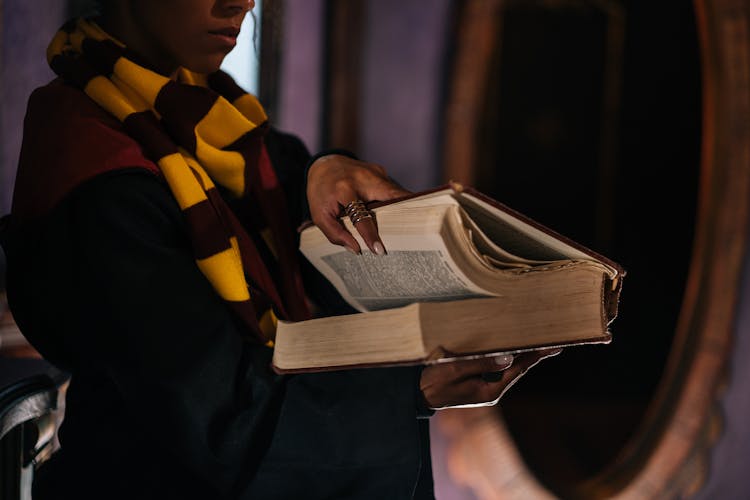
(391,336)
(419,266)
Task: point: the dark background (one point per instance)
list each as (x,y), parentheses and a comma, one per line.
(603,146)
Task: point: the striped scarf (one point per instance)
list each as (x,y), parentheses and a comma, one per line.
(200,131)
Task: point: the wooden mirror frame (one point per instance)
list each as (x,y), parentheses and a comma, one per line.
(667,455)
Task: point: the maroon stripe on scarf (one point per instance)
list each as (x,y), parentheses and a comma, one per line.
(249,146)
(225,86)
(69,26)
(255,267)
(279,219)
(249,141)
(267,192)
(73,70)
(245,311)
(145,129)
(178,118)
(209,235)
(261,301)
(268,195)
(102,54)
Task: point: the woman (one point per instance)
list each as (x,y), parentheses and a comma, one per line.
(150,250)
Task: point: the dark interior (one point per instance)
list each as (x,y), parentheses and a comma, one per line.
(598,138)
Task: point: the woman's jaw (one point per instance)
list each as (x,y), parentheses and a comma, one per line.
(169,34)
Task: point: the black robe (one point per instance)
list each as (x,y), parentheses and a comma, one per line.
(166,399)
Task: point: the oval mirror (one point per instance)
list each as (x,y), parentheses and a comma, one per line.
(623,125)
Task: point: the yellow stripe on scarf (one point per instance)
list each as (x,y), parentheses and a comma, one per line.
(145,82)
(104,92)
(191,78)
(228,165)
(224,271)
(249,106)
(204,180)
(181,180)
(223,125)
(139,104)
(268,323)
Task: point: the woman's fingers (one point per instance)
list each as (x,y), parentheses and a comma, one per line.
(336,181)
(458,382)
(479,382)
(476,367)
(369,232)
(328,222)
(374,185)
(491,392)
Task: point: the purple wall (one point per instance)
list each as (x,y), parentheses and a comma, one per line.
(403,54)
(730,459)
(27,28)
(300,75)
(402,87)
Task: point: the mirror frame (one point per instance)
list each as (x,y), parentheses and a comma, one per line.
(668,455)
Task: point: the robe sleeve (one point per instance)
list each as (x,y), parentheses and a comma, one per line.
(153,326)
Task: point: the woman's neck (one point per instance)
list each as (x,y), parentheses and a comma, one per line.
(123,27)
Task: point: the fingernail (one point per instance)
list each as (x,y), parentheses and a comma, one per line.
(504,360)
(350,249)
(379,248)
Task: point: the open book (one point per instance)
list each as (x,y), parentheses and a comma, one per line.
(464,276)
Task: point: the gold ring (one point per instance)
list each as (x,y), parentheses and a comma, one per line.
(357,211)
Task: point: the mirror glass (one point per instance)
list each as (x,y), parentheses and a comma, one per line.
(591,125)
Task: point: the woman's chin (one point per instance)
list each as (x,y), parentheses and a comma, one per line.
(205,65)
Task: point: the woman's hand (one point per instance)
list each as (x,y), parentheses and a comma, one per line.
(478,382)
(333,182)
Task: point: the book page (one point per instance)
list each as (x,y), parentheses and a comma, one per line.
(495,239)
(513,240)
(520,238)
(399,278)
(502,239)
(417,268)
(490,251)
(527,243)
